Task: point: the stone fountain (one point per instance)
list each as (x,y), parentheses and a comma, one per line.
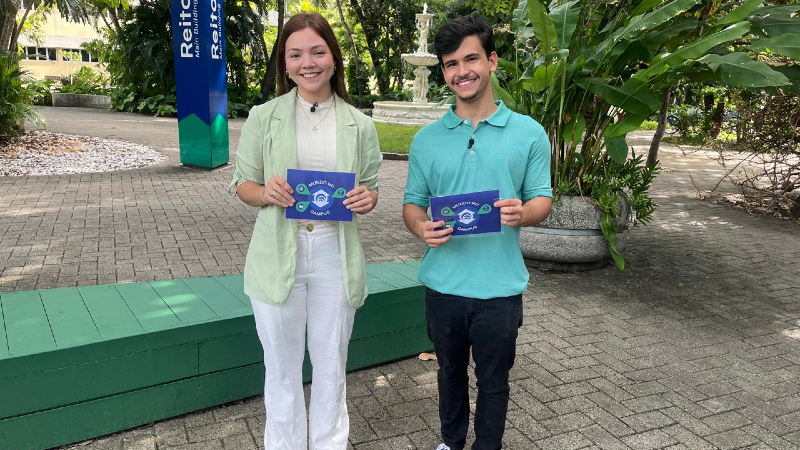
(419,111)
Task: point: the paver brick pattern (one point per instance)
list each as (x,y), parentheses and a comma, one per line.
(694,346)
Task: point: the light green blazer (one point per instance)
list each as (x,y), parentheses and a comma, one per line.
(267,147)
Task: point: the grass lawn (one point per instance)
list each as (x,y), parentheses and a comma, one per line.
(395,138)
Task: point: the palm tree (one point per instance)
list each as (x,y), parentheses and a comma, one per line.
(10,27)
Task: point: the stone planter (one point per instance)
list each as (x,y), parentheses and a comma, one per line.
(570,238)
(81,100)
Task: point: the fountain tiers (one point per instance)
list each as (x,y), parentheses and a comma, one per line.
(420,111)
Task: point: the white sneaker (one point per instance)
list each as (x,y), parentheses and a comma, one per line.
(442,447)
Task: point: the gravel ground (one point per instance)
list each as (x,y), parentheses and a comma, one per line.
(46,153)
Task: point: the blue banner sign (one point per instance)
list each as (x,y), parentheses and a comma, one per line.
(198,36)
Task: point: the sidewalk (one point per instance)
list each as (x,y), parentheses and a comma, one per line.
(696,345)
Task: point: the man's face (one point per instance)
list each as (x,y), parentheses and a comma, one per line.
(468,72)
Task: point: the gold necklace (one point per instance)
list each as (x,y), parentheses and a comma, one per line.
(313,125)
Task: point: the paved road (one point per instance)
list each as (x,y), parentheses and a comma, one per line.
(696,345)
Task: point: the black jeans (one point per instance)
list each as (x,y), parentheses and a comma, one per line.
(490,327)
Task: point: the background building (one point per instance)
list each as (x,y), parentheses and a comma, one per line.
(59,53)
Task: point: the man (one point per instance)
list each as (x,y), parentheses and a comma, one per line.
(474,285)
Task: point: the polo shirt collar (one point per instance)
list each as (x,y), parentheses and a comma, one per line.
(499,117)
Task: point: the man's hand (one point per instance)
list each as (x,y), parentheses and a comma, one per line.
(433,237)
(511,211)
(417,222)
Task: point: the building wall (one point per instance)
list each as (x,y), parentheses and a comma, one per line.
(60,37)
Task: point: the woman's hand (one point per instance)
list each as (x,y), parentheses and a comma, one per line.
(277,191)
(361,200)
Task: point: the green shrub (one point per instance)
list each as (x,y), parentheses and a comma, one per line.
(368,100)
(240,101)
(41,92)
(648,125)
(16,102)
(84,81)
(126,99)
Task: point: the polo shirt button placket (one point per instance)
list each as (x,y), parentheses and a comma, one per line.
(472,139)
(472,159)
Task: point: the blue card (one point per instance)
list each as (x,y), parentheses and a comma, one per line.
(320,195)
(467,214)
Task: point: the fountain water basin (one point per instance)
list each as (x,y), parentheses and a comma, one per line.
(420,59)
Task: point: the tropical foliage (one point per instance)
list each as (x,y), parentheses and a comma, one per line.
(139,57)
(84,81)
(16,102)
(593,71)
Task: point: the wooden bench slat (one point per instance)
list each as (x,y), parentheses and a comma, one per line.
(110,313)
(404,270)
(95,380)
(147,306)
(215,354)
(3,340)
(219,299)
(235,285)
(27,328)
(389,276)
(388,318)
(376,286)
(414,263)
(76,422)
(183,301)
(69,319)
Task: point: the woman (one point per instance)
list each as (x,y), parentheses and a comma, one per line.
(305,274)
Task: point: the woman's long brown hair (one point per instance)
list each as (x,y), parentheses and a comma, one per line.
(321,26)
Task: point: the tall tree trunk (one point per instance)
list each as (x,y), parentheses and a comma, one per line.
(8,23)
(356,60)
(12,46)
(652,155)
(108,24)
(112,12)
(372,38)
(268,82)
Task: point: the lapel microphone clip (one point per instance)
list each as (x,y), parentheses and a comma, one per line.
(314,106)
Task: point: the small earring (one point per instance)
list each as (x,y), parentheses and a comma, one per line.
(287,75)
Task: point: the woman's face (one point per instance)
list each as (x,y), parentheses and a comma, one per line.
(310,64)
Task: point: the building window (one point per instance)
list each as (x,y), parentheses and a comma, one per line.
(71,54)
(87,57)
(40,54)
(77,54)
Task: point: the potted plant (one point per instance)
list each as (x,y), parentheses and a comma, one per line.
(592,71)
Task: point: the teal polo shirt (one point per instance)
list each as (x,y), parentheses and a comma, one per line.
(511,153)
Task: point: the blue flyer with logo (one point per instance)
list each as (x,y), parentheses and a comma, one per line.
(467,214)
(320,195)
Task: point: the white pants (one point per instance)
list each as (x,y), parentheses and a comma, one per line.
(318,301)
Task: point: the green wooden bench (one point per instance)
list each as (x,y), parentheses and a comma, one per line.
(77,363)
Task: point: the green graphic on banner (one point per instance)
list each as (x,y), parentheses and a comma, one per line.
(202,145)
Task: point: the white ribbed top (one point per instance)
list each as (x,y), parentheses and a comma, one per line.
(316,150)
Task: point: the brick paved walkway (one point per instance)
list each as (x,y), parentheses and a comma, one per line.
(696,345)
